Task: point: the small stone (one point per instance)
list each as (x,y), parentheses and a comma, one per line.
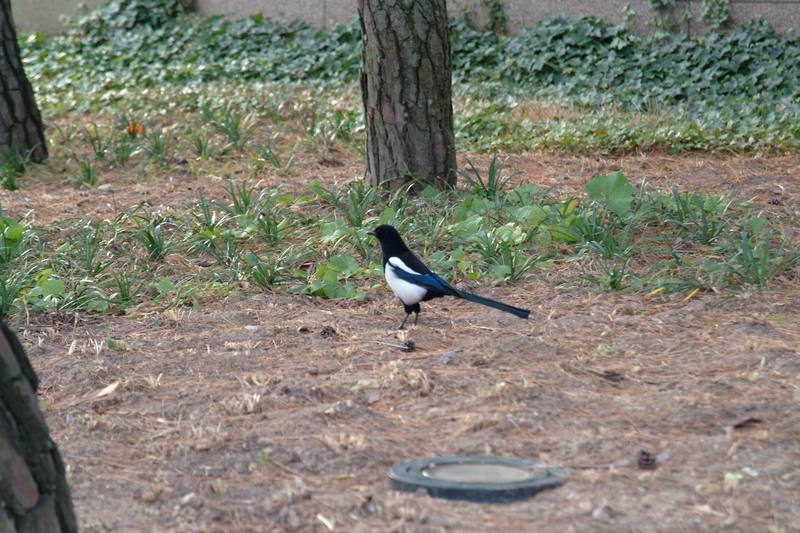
(646,460)
(408,346)
(155,493)
(600,513)
(611,375)
(446,358)
(365,384)
(303,329)
(372,396)
(292,520)
(251,328)
(218,486)
(328,332)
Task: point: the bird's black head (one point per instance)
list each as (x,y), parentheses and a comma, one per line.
(391,242)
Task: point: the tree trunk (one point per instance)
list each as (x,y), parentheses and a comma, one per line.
(20,123)
(34,496)
(405,86)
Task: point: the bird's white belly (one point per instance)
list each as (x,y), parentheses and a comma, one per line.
(408,293)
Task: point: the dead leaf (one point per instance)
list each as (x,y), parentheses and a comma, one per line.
(327,522)
(610,375)
(746,422)
(691,295)
(654,292)
(706,509)
(107,390)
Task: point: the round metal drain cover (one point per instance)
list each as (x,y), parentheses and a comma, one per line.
(478,479)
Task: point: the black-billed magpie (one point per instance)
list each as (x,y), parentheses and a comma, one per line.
(413,282)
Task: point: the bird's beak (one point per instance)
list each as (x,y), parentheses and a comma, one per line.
(371,233)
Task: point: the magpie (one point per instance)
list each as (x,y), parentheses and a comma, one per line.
(413,282)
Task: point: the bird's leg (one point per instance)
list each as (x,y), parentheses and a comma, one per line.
(403,323)
(416,317)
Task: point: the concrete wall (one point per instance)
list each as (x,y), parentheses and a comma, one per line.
(783,15)
(45,15)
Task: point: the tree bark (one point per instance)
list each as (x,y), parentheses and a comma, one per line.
(20,122)
(406,90)
(34,496)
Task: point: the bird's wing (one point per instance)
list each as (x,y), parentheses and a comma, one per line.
(427,280)
(412,263)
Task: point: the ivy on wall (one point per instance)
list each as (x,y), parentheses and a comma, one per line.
(714,13)
(498,20)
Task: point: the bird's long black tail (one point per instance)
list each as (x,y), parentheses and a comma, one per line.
(516,311)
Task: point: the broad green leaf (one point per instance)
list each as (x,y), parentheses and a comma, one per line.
(165,285)
(614,191)
(388,216)
(530,215)
(53,287)
(510,234)
(343,264)
(12,230)
(561,233)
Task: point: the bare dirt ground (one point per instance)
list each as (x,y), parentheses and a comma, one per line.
(270,412)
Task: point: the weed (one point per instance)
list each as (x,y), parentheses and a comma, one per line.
(702,217)
(354,202)
(757,254)
(211,234)
(12,281)
(268,273)
(268,156)
(202,145)
(233,123)
(89,250)
(117,346)
(65,134)
(244,199)
(88,174)
(125,293)
(151,236)
(156,146)
(326,131)
(491,187)
(97,141)
(12,167)
(123,148)
(614,276)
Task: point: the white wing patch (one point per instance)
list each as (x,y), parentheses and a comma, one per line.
(408,293)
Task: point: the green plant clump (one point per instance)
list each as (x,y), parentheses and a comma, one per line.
(621,237)
(738,90)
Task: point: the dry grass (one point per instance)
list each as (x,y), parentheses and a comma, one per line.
(243,415)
